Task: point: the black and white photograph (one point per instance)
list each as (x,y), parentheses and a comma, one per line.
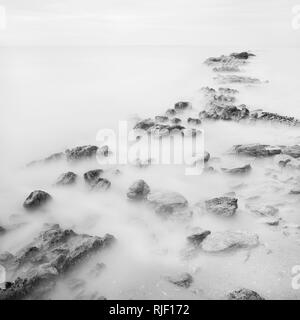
(150,150)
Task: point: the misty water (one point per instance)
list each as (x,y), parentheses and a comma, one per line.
(54,98)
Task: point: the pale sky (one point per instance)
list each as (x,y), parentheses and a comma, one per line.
(148,22)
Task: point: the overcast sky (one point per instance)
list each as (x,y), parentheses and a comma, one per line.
(167,22)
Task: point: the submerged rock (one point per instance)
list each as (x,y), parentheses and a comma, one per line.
(53,253)
(81,153)
(183,280)
(36,199)
(245,169)
(67,178)
(2,230)
(168,203)
(223,206)
(256,150)
(139,190)
(223,241)
(244,294)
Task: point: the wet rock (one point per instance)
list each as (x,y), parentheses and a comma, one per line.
(256,150)
(270,221)
(182,105)
(223,206)
(102,184)
(227,240)
(197,238)
(168,203)
(194,121)
(274,117)
(241,170)
(176,128)
(67,178)
(228,91)
(244,294)
(183,280)
(36,199)
(161,118)
(139,190)
(145,124)
(53,253)
(81,153)
(217,112)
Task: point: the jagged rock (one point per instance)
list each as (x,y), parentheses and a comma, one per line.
(274,117)
(236,79)
(101,184)
(241,170)
(223,206)
(217,112)
(171,112)
(256,150)
(244,294)
(194,121)
(95,181)
(176,128)
(36,199)
(197,238)
(67,178)
(144,124)
(183,280)
(293,151)
(81,153)
(222,241)
(168,203)
(223,98)
(161,118)
(53,253)
(182,105)
(139,190)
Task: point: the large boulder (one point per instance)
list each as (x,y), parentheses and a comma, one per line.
(223,206)
(67,178)
(244,294)
(81,153)
(227,240)
(138,190)
(36,199)
(53,253)
(182,105)
(256,150)
(168,203)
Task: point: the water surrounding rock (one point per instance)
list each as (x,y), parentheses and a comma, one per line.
(227,240)
(223,206)
(241,170)
(2,230)
(81,153)
(54,252)
(101,184)
(68,178)
(139,190)
(256,150)
(244,294)
(36,199)
(270,221)
(183,280)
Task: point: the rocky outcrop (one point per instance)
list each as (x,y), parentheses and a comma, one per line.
(171,112)
(53,253)
(244,294)
(228,240)
(240,170)
(81,153)
(256,150)
(183,280)
(138,191)
(36,199)
(68,178)
(222,206)
(175,120)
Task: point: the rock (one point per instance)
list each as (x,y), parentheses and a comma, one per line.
(2,230)
(142,163)
(270,221)
(102,184)
(175,120)
(176,128)
(194,121)
(266,211)
(183,280)
(295,191)
(237,79)
(104,151)
(241,170)
(244,294)
(230,113)
(53,253)
(145,124)
(171,112)
(36,199)
(228,91)
(274,117)
(168,203)
(256,150)
(81,153)
(139,190)
(91,177)
(198,159)
(226,240)
(242,55)
(182,105)
(67,178)
(223,206)
(161,118)
(293,151)
(197,238)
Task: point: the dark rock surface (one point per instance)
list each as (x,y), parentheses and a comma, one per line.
(139,190)
(81,153)
(91,177)
(223,206)
(68,178)
(182,105)
(144,124)
(54,252)
(36,199)
(197,238)
(244,294)
(194,121)
(183,280)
